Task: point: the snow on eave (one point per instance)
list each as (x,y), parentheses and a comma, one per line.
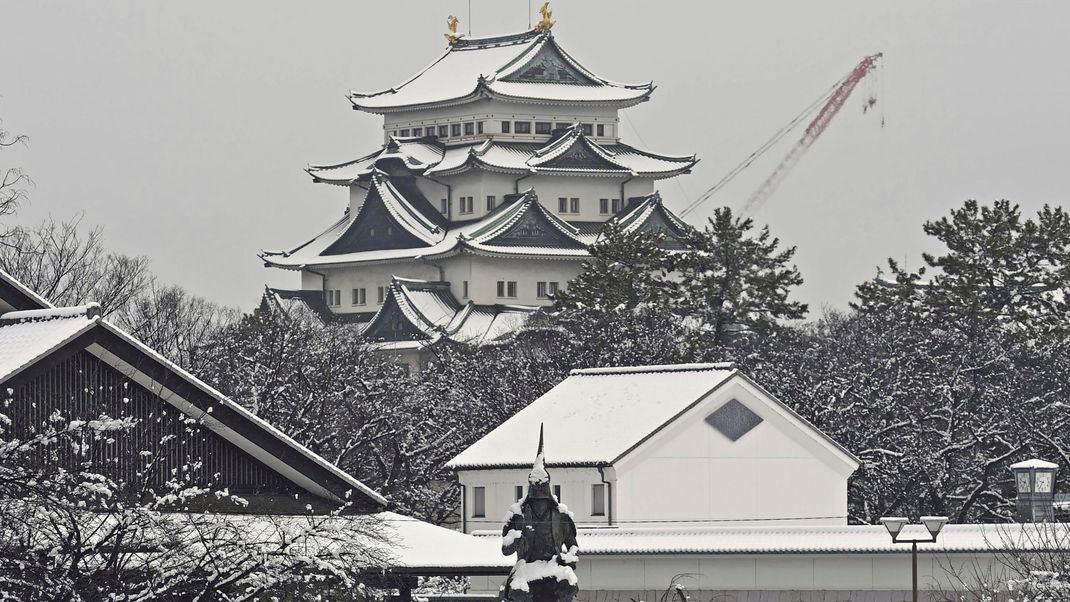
(24,290)
(89,310)
(242,411)
(699,367)
(13,371)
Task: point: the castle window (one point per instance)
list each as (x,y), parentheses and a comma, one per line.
(455,129)
(557,493)
(574,205)
(543,127)
(507,289)
(380,295)
(417,131)
(505,127)
(479,127)
(334,298)
(443,131)
(464,289)
(543,290)
(601,129)
(491,202)
(467,204)
(518,493)
(444,206)
(469,128)
(603,206)
(587,128)
(522,127)
(616,206)
(360,296)
(404,132)
(562,205)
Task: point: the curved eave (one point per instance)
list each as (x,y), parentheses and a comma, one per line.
(521,252)
(482,90)
(477,163)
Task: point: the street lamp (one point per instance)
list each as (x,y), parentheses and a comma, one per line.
(895,525)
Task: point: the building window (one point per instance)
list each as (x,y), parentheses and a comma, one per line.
(562,205)
(360,296)
(543,290)
(543,127)
(467,204)
(334,297)
(455,129)
(505,127)
(601,129)
(522,127)
(616,206)
(598,499)
(464,289)
(469,128)
(404,132)
(603,206)
(380,295)
(491,203)
(574,205)
(479,127)
(417,132)
(444,206)
(479,502)
(557,493)
(443,131)
(518,493)
(507,289)
(587,128)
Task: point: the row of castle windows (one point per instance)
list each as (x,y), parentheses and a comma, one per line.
(565,205)
(471,128)
(506,289)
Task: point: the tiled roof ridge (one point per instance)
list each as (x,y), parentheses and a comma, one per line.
(89,310)
(699,367)
(467,43)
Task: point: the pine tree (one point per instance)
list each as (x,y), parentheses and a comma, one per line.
(731,281)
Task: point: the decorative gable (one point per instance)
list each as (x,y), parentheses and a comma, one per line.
(533,229)
(733,419)
(548,66)
(391,324)
(373,229)
(657,222)
(580,156)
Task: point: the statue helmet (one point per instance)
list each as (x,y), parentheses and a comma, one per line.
(539,478)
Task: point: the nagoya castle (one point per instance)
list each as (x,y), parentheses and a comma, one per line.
(500,164)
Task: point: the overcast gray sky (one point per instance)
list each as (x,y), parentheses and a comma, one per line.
(183,127)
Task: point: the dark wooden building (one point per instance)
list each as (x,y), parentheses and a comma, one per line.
(71,361)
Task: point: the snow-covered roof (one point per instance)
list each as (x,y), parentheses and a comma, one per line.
(427,312)
(526,67)
(499,234)
(1034,463)
(29,337)
(568,152)
(847,539)
(651,215)
(417,546)
(595,416)
(15,295)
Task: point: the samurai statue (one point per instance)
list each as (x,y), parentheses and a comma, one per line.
(541,532)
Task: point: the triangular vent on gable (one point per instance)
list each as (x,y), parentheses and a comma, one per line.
(549,67)
(733,420)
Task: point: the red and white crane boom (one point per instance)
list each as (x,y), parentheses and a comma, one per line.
(833,100)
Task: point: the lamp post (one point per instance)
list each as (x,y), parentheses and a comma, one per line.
(895,525)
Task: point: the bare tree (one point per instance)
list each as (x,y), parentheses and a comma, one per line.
(1029,563)
(67,267)
(13,181)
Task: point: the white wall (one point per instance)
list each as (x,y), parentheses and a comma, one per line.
(691,472)
(732,576)
(370,277)
(485,272)
(493,112)
(576,494)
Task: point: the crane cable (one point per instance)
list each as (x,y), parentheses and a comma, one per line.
(777,137)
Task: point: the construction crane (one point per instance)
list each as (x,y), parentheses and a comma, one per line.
(830,104)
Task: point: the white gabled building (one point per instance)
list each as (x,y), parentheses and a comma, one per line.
(500,163)
(691,445)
